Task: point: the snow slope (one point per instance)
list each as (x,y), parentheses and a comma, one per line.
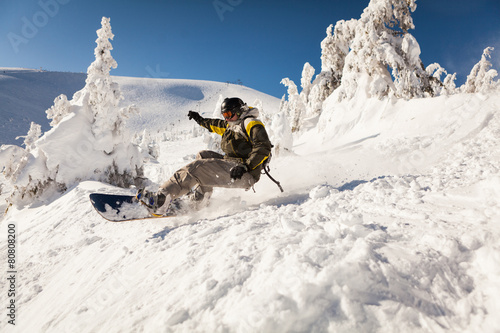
(389,223)
(25,94)
(164,103)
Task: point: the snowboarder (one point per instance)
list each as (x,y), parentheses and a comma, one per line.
(246,146)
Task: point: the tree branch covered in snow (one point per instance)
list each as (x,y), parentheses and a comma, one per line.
(34,133)
(59,110)
(481,77)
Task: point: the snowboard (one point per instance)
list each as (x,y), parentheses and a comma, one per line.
(121,208)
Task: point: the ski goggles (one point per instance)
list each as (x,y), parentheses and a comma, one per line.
(229,114)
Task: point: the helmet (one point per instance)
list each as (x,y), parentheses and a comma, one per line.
(231,107)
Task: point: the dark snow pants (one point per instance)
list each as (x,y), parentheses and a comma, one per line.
(209,170)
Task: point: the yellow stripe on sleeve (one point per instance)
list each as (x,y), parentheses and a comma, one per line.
(218,130)
(265,158)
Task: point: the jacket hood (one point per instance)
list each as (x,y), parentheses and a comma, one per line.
(249,112)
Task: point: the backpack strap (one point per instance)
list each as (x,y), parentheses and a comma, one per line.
(266,170)
(244,126)
(265,167)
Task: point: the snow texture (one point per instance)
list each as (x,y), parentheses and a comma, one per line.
(394,232)
(389,221)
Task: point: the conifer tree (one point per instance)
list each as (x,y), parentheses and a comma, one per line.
(88,141)
(382,41)
(481,77)
(294,108)
(334,49)
(104,95)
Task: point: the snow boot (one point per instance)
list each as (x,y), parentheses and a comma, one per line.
(157,203)
(199,197)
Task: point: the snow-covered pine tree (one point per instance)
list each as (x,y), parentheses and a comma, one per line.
(375,55)
(104,95)
(306,81)
(438,86)
(148,146)
(313,93)
(12,160)
(294,108)
(34,134)
(59,110)
(481,77)
(334,49)
(382,42)
(88,141)
(449,86)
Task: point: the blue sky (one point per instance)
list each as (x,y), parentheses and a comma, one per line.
(254,41)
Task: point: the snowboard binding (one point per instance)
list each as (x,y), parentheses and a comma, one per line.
(158,204)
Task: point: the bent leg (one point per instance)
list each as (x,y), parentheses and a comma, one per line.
(201,192)
(206,173)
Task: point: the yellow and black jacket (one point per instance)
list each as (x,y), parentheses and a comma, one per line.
(245,140)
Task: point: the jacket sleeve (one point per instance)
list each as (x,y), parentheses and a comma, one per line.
(214,125)
(261,146)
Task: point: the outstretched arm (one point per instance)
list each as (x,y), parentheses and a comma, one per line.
(213,125)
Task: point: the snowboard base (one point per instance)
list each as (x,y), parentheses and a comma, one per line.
(121,208)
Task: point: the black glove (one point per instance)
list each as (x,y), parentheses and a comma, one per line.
(238,171)
(195,116)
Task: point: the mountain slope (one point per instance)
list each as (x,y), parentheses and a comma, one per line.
(25,94)
(165,103)
(389,223)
